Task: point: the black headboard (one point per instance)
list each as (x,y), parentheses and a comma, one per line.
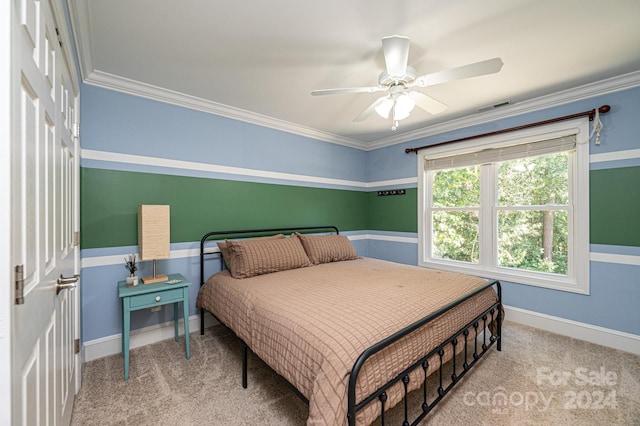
(249,233)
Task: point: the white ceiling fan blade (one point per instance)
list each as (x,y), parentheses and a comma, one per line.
(348,90)
(370,109)
(490,66)
(396,55)
(427,103)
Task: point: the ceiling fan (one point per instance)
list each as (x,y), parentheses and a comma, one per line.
(399,77)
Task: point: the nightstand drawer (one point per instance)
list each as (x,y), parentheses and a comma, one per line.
(157,298)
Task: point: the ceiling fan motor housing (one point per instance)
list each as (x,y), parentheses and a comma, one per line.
(385,79)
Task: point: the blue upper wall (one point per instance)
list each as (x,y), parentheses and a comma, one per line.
(140,126)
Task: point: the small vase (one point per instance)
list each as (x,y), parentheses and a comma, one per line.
(132,281)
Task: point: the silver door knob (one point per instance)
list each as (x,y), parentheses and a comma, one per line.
(158,298)
(66,283)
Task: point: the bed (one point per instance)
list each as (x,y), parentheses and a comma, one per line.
(352,335)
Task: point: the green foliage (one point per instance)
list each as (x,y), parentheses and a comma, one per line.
(457,187)
(455,236)
(527,188)
(520,241)
(455,233)
(534,181)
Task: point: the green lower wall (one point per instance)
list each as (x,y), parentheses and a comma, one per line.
(110,198)
(109,201)
(615,206)
(398,213)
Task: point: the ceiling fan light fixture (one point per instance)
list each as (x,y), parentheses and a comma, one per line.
(384,108)
(403,106)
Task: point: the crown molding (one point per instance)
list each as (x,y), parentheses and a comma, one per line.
(80,19)
(80,22)
(603,87)
(63,37)
(136,88)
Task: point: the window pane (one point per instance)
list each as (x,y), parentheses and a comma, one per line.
(534,181)
(533,240)
(455,235)
(457,187)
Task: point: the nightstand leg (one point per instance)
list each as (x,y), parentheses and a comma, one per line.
(185,308)
(175,319)
(126,325)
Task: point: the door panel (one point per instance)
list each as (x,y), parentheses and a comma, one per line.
(44,216)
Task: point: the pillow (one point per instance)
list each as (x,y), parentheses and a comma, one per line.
(226,255)
(263,256)
(327,248)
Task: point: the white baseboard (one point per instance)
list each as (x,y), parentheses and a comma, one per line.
(112,345)
(591,333)
(627,342)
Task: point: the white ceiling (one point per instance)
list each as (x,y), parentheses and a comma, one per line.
(259,60)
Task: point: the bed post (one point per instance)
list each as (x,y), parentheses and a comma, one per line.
(244,364)
(202,281)
(499,326)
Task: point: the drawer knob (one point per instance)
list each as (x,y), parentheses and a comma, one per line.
(158,298)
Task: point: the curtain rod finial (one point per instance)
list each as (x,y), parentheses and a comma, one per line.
(602,110)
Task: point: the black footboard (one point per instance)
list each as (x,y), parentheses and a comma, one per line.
(491,316)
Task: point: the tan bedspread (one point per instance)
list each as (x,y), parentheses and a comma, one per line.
(310,324)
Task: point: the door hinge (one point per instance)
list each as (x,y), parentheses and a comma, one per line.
(19,284)
(76,346)
(76,238)
(76,130)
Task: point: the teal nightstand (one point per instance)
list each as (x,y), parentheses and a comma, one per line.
(148,296)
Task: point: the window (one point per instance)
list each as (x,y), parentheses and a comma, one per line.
(513,207)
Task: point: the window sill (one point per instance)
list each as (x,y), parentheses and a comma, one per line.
(537,279)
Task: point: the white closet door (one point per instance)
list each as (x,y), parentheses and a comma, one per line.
(44,169)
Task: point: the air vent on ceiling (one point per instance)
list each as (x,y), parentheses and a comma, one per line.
(498,105)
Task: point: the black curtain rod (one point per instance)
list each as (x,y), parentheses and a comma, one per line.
(602,110)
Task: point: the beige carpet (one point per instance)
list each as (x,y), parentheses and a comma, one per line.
(538,378)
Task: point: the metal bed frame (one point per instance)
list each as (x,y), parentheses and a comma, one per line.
(493,314)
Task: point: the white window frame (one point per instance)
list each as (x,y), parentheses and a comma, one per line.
(577,279)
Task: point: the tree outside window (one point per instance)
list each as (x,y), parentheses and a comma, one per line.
(512,209)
